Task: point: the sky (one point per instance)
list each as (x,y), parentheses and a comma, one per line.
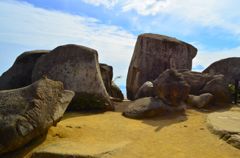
(112,26)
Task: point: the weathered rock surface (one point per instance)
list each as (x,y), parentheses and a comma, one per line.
(107,76)
(219,89)
(196,80)
(226,125)
(148,107)
(78,68)
(154,54)
(200,101)
(28,112)
(20,74)
(206,83)
(70,149)
(171,88)
(146,90)
(228,67)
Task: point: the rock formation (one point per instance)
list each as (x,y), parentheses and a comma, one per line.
(171,88)
(149,107)
(107,76)
(154,54)
(78,68)
(20,74)
(28,112)
(229,67)
(201,83)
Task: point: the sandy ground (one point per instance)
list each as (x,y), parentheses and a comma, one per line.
(174,136)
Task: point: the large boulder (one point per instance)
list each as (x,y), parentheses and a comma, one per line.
(20,74)
(229,67)
(154,54)
(171,87)
(149,107)
(28,112)
(78,68)
(219,89)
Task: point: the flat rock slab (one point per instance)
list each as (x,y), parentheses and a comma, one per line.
(70,149)
(226,125)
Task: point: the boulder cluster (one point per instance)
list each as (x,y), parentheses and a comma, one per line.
(41,85)
(160,70)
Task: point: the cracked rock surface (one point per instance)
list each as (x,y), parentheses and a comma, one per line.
(28,112)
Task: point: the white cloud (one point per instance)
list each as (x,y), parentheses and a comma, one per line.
(105,3)
(211,13)
(146,7)
(205,57)
(36,28)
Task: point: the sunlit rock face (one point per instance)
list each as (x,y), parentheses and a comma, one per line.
(78,68)
(229,67)
(27,113)
(154,54)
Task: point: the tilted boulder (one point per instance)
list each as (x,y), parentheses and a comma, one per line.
(171,88)
(149,107)
(28,112)
(146,90)
(229,67)
(78,68)
(154,54)
(20,74)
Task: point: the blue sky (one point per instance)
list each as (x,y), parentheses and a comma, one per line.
(112,26)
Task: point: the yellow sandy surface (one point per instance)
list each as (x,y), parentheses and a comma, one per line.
(175,136)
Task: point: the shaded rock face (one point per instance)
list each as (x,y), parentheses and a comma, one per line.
(28,112)
(154,54)
(218,88)
(226,125)
(149,107)
(228,67)
(146,90)
(107,76)
(78,68)
(20,74)
(196,80)
(200,101)
(206,83)
(171,87)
